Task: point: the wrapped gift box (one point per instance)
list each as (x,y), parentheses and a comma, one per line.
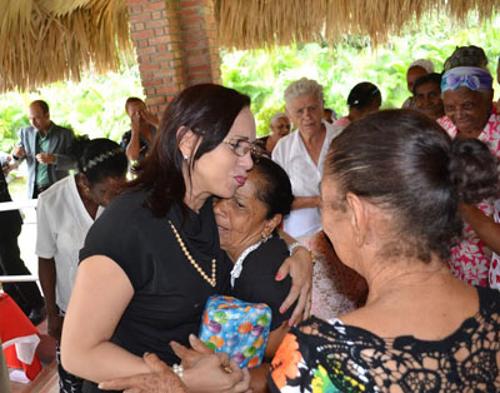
(237,328)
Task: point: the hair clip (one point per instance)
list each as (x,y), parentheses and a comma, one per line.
(100,158)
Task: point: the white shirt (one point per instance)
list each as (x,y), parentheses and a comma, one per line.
(305,176)
(62,224)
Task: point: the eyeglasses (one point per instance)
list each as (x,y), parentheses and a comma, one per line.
(241,147)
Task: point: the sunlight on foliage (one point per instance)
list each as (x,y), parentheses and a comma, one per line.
(264,74)
(95,106)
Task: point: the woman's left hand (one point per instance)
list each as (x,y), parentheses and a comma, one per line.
(300,268)
(161,380)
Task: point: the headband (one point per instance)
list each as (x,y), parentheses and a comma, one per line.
(100,158)
(474,78)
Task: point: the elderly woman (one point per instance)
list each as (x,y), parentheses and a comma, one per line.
(470,114)
(363,99)
(280,127)
(302,153)
(152,259)
(390,193)
(248,224)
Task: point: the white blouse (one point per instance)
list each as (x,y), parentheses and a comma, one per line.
(62,225)
(305,176)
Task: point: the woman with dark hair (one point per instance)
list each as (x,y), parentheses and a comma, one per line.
(364,98)
(152,278)
(65,212)
(248,224)
(390,194)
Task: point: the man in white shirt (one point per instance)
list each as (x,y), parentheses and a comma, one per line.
(302,154)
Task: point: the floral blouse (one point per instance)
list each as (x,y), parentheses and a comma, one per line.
(494,277)
(470,258)
(334,358)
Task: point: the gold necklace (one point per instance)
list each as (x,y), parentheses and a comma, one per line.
(211,280)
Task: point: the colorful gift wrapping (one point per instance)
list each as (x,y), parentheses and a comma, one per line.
(236,327)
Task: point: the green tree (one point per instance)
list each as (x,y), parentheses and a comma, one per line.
(264,74)
(93,106)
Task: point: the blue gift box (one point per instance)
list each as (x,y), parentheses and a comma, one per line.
(236,327)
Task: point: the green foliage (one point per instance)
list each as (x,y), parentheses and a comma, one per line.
(93,106)
(12,118)
(264,74)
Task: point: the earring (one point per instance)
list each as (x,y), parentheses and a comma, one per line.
(186,158)
(264,237)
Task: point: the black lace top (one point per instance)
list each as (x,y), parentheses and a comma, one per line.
(335,357)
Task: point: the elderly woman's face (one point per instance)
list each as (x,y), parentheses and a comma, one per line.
(468,110)
(306,112)
(241,219)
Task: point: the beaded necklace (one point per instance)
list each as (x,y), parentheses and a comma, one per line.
(211,280)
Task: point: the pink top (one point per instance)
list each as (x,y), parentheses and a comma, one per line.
(342,122)
(471,259)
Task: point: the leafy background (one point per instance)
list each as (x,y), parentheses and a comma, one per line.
(95,106)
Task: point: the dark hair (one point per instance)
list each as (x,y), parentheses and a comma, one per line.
(274,188)
(467,56)
(132,100)
(363,95)
(407,164)
(99,158)
(42,105)
(433,77)
(207,110)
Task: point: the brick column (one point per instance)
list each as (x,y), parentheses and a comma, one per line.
(175,42)
(199,41)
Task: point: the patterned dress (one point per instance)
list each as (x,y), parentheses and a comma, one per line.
(494,277)
(333,358)
(471,259)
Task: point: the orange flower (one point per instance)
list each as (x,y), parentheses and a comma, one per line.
(285,361)
(245,327)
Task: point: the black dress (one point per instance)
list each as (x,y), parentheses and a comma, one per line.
(342,358)
(257,282)
(169,294)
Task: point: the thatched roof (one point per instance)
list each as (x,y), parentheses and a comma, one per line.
(247,24)
(42,41)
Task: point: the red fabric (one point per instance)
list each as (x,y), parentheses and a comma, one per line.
(14,324)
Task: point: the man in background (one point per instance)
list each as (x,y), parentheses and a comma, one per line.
(427,95)
(45,146)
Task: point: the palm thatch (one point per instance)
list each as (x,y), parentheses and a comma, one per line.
(42,41)
(247,24)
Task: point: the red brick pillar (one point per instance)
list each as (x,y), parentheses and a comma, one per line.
(199,41)
(175,42)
